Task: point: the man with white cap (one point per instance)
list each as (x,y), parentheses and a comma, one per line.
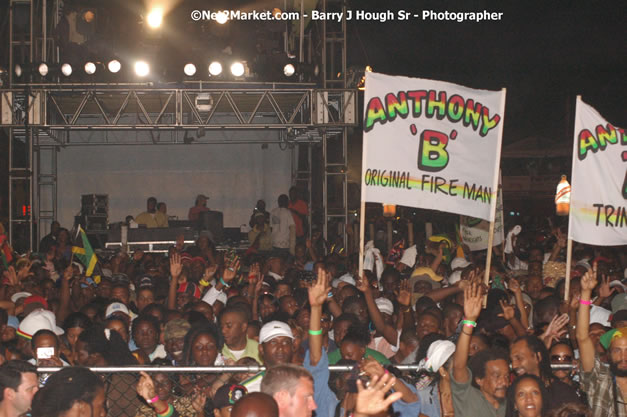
(275,347)
(381,312)
(37,320)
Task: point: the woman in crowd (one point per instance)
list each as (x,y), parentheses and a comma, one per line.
(202,348)
(526,397)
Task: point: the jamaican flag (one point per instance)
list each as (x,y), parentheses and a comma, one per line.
(83,251)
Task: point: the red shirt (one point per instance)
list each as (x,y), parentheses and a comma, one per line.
(195,211)
(300,207)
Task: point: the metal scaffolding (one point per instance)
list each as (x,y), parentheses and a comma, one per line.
(43,119)
(335,147)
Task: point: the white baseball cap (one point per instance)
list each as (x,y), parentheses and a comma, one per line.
(19,295)
(459,263)
(274,329)
(37,320)
(384,305)
(116,308)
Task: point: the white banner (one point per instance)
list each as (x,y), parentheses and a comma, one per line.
(475,232)
(598,205)
(431,144)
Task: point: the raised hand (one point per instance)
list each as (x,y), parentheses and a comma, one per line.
(589,279)
(514,286)
(230,271)
(472,302)
(604,289)
(210,271)
(371,400)
(319,291)
(555,330)
(509,311)
(12,275)
(198,402)
(403,295)
(363,285)
(146,387)
(68,273)
(176,266)
(254,274)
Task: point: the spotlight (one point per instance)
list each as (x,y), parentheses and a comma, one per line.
(142,68)
(90,68)
(276,12)
(222,17)
(237,69)
(215,68)
(18,70)
(88,16)
(114,66)
(155,17)
(66,69)
(289,70)
(189,69)
(43,69)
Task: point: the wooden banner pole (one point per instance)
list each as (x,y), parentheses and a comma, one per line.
(569,255)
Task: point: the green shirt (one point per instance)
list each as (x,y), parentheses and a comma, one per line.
(251,350)
(468,401)
(336,355)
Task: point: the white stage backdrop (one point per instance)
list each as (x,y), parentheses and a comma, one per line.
(233,176)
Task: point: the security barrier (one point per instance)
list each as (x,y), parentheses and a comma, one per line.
(179,385)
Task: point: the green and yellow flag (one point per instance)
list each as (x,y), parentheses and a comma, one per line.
(84,252)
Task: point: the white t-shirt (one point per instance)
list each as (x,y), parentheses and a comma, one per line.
(281,219)
(237,353)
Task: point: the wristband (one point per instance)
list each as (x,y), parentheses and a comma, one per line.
(203,283)
(153,399)
(167,412)
(315,332)
(469,323)
(224,283)
(585,302)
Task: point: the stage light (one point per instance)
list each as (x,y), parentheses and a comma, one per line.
(114,66)
(88,16)
(222,17)
(215,68)
(237,69)
(18,70)
(142,68)
(90,68)
(43,69)
(289,70)
(66,69)
(276,12)
(155,17)
(189,69)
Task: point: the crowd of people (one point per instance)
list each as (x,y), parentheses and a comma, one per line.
(508,346)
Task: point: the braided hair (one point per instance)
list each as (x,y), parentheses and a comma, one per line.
(63,389)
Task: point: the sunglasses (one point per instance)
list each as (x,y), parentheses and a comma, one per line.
(558,358)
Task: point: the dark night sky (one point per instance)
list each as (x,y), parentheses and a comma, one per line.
(543,52)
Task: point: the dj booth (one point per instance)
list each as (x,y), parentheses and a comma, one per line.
(159,239)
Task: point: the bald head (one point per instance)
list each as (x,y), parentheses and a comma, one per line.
(256,404)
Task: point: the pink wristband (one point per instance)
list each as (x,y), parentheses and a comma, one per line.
(585,302)
(153,400)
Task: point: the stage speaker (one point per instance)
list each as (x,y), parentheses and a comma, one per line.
(213,222)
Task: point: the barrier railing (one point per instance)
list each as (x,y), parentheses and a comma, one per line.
(178,385)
